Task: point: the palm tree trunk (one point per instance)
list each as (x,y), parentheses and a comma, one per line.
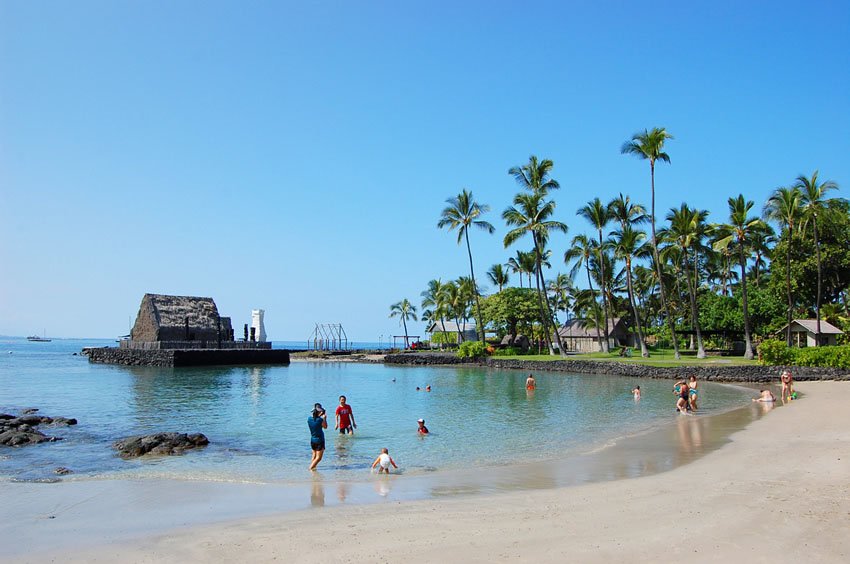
(670,322)
(543,321)
(692,291)
(590,285)
(641,341)
(480,320)
(604,297)
(748,351)
(817,304)
(443,325)
(406,340)
(788,286)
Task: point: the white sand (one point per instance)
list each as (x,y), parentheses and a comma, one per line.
(779,492)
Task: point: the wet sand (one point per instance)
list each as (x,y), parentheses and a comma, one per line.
(777,491)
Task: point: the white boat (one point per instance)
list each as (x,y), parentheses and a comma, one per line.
(37,339)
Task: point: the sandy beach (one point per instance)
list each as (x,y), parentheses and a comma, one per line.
(779,491)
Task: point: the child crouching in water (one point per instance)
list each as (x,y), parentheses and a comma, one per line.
(383,462)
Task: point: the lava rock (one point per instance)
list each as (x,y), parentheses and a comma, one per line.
(159,444)
(17,438)
(62,471)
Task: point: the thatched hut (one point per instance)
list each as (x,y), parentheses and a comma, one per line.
(179,319)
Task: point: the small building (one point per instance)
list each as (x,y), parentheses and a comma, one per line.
(184,322)
(577,335)
(455,333)
(804,333)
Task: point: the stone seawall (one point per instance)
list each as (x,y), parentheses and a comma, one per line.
(717,373)
(197,357)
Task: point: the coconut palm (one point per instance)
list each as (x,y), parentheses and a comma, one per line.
(582,250)
(738,232)
(406,311)
(560,288)
(436,297)
(763,239)
(535,176)
(498,276)
(649,145)
(785,208)
(531,214)
(461,214)
(627,244)
(457,305)
(687,228)
(815,204)
(598,215)
(625,212)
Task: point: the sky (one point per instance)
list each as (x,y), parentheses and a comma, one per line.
(296,156)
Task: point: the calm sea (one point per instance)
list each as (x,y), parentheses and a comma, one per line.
(255,417)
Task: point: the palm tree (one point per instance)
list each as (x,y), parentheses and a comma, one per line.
(687,228)
(627,244)
(582,249)
(457,305)
(498,276)
(436,296)
(405,310)
(649,145)
(785,208)
(815,203)
(530,214)
(560,288)
(623,210)
(738,231)
(535,176)
(462,213)
(761,242)
(598,216)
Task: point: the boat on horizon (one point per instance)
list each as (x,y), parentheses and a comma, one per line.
(37,339)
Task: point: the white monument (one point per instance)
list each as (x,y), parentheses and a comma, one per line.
(257,324)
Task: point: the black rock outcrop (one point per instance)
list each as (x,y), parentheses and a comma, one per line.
(159,443)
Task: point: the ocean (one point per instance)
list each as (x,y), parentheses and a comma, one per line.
(256,417)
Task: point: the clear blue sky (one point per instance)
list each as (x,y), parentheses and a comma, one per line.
(296,156)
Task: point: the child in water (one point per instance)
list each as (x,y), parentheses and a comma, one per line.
(530,383)
(636,392)
(422,430)
(383,462)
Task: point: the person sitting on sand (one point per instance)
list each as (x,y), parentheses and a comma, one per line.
(422,430)
(765,397)
(680,389)
(383,462)
(636,392)
(692,393)
(530,382)
(787,385)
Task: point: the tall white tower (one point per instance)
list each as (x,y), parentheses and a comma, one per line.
(257,324)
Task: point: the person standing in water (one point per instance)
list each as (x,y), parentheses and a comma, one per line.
(317,421)
(530,383)
(692,393)
(636,393)
(344,417)
(422,430)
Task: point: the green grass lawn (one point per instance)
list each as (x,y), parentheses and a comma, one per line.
(662,357)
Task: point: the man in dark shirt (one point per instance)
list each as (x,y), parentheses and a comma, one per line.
(316,422)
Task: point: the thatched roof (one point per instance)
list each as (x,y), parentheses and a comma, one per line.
(579,328)
(163,318)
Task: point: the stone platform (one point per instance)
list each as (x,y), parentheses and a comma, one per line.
(186,357)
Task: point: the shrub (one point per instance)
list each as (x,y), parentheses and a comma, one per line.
(508,351)
(472,349)
(776,352)
(835,357)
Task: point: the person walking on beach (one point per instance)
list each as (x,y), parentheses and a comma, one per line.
(530,382)
(383,462)
(692,393)
(422,430)
(317,421)
(787,385)
(344,417)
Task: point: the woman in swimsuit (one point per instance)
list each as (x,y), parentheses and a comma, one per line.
(681,391)
(787,385)
(692,393)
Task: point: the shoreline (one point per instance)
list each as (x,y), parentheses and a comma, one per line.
(68,513)
(777,491)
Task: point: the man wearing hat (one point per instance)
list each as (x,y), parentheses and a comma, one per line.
(423,430)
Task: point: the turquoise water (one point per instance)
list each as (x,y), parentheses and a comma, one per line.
(255,417)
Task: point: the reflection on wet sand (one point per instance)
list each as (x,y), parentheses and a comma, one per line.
(317,491)
(383,485)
